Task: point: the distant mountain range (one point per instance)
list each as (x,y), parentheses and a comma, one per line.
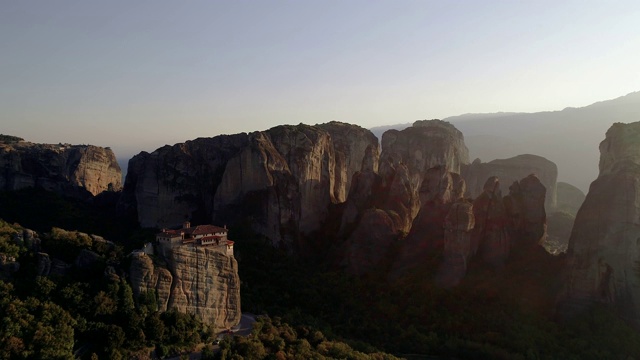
(570,137)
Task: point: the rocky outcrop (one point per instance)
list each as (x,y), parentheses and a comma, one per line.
(365,186)
(439,192)
(371,242)
(355,149)
(196,280)
(525,207)
(426,144)
(509,171)
(310,156)
(67,169)
(604,248)
(490,238)
(282,179)
(457,244)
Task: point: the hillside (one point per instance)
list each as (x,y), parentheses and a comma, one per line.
(568,137)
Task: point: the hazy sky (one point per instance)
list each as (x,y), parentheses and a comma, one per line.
(136,75)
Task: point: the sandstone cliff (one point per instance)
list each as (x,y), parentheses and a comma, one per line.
(66,169)
(196,280)
(441,212)
(355,149)
(426,144)
(604,248)
(490,238)
(282,179)
(510,170)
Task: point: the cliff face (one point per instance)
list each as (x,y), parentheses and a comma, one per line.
(355,149)
(510,170)
(283,179)
(67,169)
(490,237)
(604,249)
(197,280)
(440,190)
(426,144)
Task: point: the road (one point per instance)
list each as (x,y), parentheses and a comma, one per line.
(242,329)
(245,326)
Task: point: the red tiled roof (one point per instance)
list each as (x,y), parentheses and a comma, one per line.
(206,229)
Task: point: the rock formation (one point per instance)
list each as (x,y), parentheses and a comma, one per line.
(355,149)
(604,248)
(490,238)
(426,144)
(525,207)
(283,179)
(197,280)
(64,168)
(371,241)
(365,186)
(309,153)
(510,170)
(439,192)
(457,244)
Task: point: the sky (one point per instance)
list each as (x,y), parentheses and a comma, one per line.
(136,75)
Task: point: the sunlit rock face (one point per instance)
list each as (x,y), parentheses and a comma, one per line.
(63,168)
(604,248)
(196,280)
(512,170)
(355,149)
(426,144)
(279,182)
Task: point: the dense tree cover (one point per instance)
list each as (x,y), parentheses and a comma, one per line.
(274,339)
(83,314)
(8,139)
(7,245)
(33,328)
